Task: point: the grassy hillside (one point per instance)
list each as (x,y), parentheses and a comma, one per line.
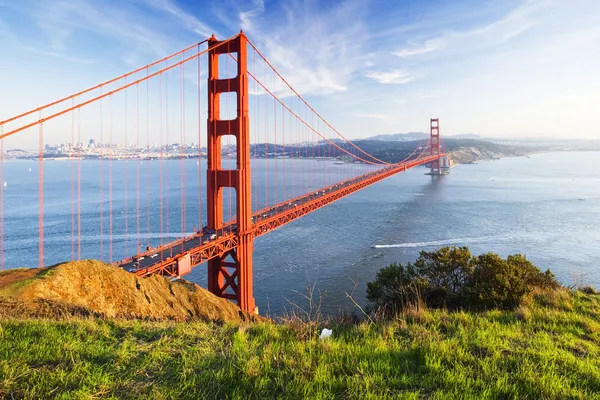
(548,349)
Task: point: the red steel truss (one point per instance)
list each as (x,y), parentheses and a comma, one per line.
(286,212)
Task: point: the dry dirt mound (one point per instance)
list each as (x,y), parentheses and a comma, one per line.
(97,288)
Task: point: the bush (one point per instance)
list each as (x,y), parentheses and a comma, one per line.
(452,277)
(445,273)
(395,288)
(502,283)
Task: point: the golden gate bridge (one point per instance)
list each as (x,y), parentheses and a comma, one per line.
(243,109)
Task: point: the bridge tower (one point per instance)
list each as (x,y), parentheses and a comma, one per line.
(434,145)
(230,275)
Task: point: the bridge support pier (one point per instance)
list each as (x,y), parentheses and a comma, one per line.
(230,275)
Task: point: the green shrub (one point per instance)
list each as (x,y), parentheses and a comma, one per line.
(532,274)
(445,272)
(496,282)
(452,277)
(395,287)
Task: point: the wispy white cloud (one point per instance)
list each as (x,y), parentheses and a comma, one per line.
(390,77)
(9,38)
(383,117)
(138,27)
(189,20)
(61,20)
(415,49)
(495,33)
(247,16)
(59,55)
(313,47)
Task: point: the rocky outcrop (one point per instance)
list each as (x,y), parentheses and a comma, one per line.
(95,288)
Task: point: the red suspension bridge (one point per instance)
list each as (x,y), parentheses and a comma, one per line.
(158,112)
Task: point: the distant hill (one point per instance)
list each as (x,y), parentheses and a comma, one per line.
(466,136)
(407,137)
(400,137)
(462,150)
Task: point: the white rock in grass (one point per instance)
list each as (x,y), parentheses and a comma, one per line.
(325,333)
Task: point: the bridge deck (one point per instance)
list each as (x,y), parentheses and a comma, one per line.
(163,260)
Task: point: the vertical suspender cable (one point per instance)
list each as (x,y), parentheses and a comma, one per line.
(79,184)
(167,155)
(161,163)
(266,166)
(305,146)
(283,144)
(110,180)
(100,168)
(72,158)
(126,177)
(199,161)
(148,161)
(275,142)
(137,166)
(41,194)
(293,149)
(182,155)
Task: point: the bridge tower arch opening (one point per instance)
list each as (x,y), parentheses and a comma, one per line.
(230,275)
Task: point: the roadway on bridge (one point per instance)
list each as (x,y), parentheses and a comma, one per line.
(157,255)
(161,258)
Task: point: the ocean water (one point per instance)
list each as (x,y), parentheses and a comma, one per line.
(546,206)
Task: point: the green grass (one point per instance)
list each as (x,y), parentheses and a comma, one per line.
(548,349)
(13,289)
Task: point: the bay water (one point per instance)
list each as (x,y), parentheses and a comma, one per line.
(546,206)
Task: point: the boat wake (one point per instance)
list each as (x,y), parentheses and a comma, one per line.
(445,242)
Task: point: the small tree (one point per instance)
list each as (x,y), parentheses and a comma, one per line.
(394,288)
(503,283)
(495,283)
(532,274)
(446,271)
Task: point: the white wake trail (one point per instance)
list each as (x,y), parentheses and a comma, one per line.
(445,242)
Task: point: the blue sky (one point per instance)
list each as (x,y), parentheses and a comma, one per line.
(510,68)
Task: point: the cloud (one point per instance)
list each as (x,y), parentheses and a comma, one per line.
(313,47)
(140,27)
(391,77)
(382,117)
(63,56)
(427,47)
(247,16)
(15,41)
(190,21)
(61,20)
(498,32)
